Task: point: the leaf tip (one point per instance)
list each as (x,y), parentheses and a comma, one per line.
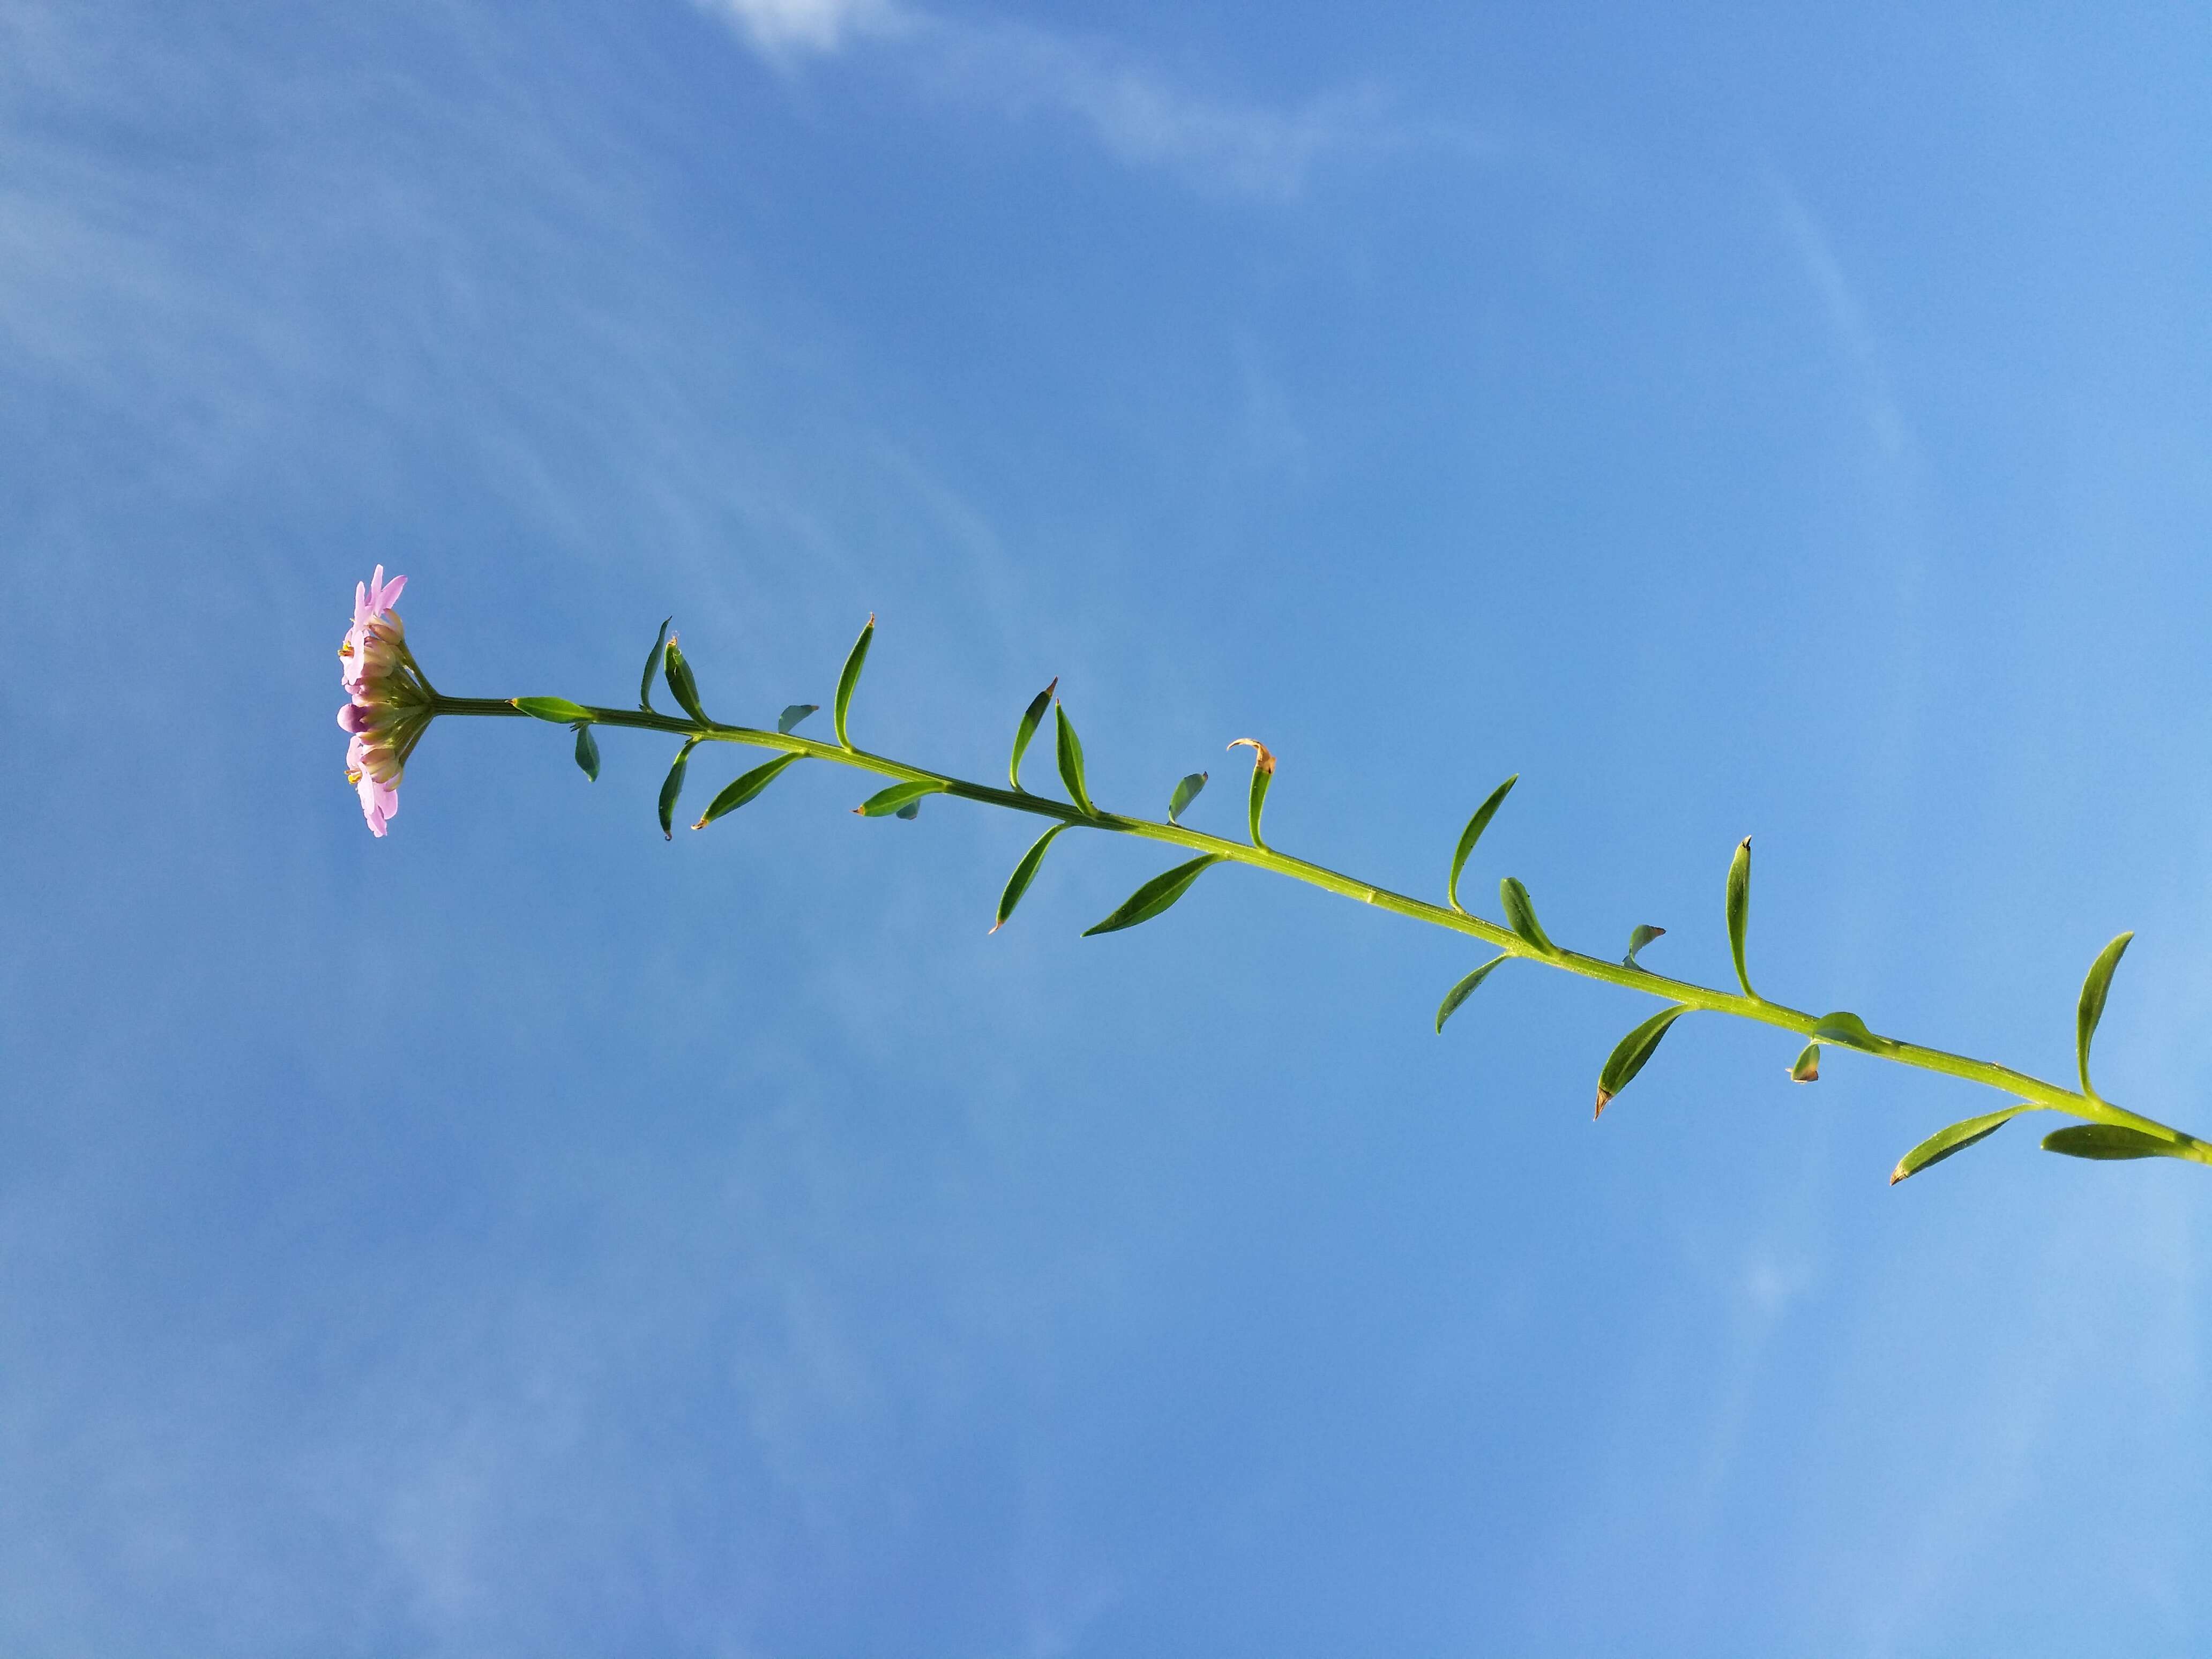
(1604,1098)
(1264,758)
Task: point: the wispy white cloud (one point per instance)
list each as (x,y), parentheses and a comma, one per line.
(1847,316)
(1133,113)
(781,27)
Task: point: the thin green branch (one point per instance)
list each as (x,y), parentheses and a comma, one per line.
(1704,998)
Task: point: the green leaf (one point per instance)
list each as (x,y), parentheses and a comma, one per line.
(1847,1030)
(1185,792)
(910,811)
(849,676)
(1805,1068)
(651,666)
(685,689)
(2089,1010)
(1739,911)
(1645,933)
(1071,760)
(1460,992)
(1027,729)
(1155,896)
(588,752)
(1521,916)
(1954,1139)
(672,788)
(2109,1140)
(792,714)
(1263,777)
(559,710)
(884,802)
(1631,1051)
(737,793)
(1472,833)
(1024,873)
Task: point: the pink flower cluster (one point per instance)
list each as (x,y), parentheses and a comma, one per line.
(387,705)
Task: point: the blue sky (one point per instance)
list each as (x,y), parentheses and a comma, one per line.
(523,1236)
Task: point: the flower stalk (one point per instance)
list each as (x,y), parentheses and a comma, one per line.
(394,704)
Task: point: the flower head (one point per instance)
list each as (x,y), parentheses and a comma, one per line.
(389,704)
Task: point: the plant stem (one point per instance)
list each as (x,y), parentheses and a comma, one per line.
(1705,999)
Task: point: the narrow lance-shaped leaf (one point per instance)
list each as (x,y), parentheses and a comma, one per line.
(2109,1141)
(884,802)
(744,788)
(681,686)
(1069,748)
(1521,916)
(1953,1138)
(1024,873)
(848,677)
(1460,992)
(1026,728)
(1805,1068)
(1155,896)
(792,714)
(652,666)
(1739,912)
(1645,933)
(588,752)
(1472,833)
(672,789)
(1631,1051)
(559,710)
(1263,775)
(1185,792)
(1847,1030)
(2090,1010)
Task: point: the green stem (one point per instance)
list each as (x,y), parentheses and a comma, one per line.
(2033,1089)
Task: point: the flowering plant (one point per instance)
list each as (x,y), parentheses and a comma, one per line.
(391,704)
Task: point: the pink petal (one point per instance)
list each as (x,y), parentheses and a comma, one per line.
(390,596)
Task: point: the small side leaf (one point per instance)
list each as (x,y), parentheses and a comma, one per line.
(1263,777)
(1024,873)
(672,789)
(1460,992)
(652,666)
(2108,1140)
(1739,912)
(1631,1051)
(735,794)
(1185,792)
(1031,717)
(559,710)
(1070,749)
(849,676)
(2088,1012)
(1847,1031)
(1155,896)
(1645,933)
(1521,916)
(792,714)
(1472,833)
(588,752)
(884,802)
(1955,1138)
(681,685)
(1807,1066)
